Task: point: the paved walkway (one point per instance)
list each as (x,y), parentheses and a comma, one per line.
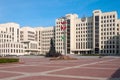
(40,68)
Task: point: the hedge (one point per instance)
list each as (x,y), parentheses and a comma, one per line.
(8,60)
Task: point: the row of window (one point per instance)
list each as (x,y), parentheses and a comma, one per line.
(59,48)
(7,45)
(46,45)
(31,39)
(5,36)
(109,42)
(109,37)
(108,33)
(59,40)
(108,25)
(109,51)
(30,32)
(31,36)
(85,24)
(88,35)
(109,46)
(107,21)
(46,38)
(84,45)
(106,29)
(59,44)
(90,31)
(83,28)
(33,46)
(11,51)
(47,34)
(108,16)
(84,39)
(5,40)
(47,31)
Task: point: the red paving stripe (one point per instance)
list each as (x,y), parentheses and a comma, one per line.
(112,62)
(99,68)
(69,63)
(64,65)
(4,65)
(31,69)
(49,78)
(6,75)
(104,66)
(87,72)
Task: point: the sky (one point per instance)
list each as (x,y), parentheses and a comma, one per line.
(37,13)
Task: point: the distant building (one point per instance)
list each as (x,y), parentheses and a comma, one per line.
(43,37)
(10,40)
(27,37)
(97,34)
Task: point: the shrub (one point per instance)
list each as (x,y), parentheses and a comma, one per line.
(8,60)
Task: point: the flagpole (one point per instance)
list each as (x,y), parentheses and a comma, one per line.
(65,39)
(64,43)
(64,36)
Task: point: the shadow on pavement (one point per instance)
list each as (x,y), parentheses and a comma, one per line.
(115,75)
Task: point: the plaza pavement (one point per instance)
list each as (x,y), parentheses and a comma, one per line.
(40,68)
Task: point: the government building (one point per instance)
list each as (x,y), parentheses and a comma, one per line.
(97,34)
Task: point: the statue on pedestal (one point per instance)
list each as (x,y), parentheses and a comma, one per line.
(52,52)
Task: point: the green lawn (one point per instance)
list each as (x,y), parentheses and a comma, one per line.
(8,60)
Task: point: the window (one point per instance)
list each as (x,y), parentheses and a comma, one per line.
(110,25)
(104,17)
(76,24)
(117,33)
(110,20)
(113,33)
(102,43)
(96,18)
(101,17)
(113,16)
(105,29)
(113,20)
(117,25)
(113,46)
(110,29)
(110,16)
(104,21)
(12,29)
(104,25)
(113,28)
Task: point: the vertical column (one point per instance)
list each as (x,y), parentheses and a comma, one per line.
(96,34)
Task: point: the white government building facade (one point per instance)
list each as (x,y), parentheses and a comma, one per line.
(99,33)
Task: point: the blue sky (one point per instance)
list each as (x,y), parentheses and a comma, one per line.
(44,12)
